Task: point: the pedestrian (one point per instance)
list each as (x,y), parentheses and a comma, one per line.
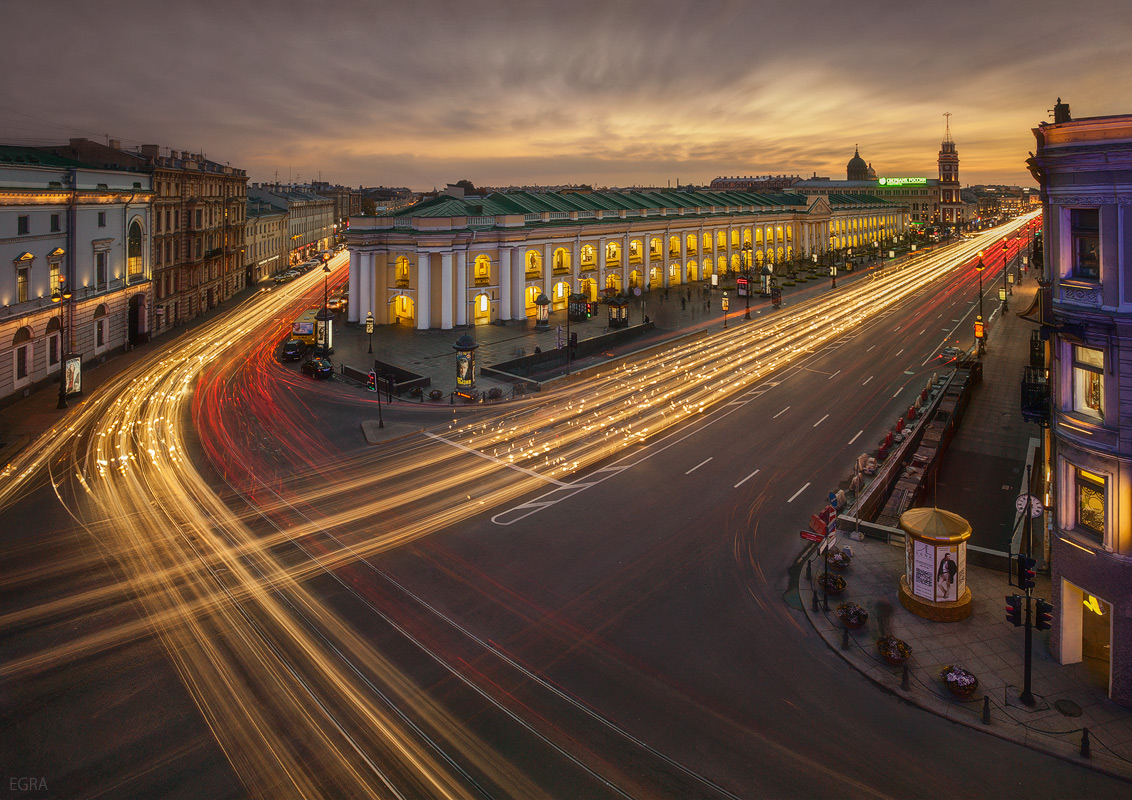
(683,304)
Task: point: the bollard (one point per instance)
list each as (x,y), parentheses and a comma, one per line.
(986,710)
(814,605)
(809,576)
(845,639)
(1085,743)
(904,678)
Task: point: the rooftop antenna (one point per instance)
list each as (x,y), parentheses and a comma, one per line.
(947,126)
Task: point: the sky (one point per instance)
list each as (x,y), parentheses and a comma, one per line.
(421,93)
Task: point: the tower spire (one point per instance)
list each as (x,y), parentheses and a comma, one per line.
(947,126)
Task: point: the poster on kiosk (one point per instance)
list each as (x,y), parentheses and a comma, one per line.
(73,374)
(465,368)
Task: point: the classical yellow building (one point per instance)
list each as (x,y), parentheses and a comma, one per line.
(455,261)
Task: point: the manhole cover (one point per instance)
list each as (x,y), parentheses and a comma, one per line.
(1068,708)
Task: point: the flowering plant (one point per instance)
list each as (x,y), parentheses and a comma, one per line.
(891,647)
(958,678)
(852,614)
(834,583)
(839,559)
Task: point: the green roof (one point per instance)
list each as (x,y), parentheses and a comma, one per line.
(12,156)
(501,203)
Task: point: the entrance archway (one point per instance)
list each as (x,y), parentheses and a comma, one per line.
(138,329)
(404,310)
(558,297)
(531,295)
(481,310)
(589,289)
(635,278)
(692,272)
(613,281)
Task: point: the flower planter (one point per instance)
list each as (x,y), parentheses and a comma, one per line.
(852,616)
(894,651)
(839,561)
(831,583)
(959,681)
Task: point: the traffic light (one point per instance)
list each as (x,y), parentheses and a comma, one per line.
(371,381)
(1025,572)
(1014,609)
(1044,615)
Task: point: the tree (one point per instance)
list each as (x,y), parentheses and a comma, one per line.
(368,206)
(466,185)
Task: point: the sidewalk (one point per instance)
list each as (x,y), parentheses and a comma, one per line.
(983,471)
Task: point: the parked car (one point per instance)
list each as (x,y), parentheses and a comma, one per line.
(293,350)
(318,368)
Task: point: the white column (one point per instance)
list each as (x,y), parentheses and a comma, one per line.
(625,264)
(683,256)
(362,302)
(461,287)
(600,265)
(519,288)
(424,290)
(665,257)
(505,283)
(547,271)
(446,289)
(355,291)
(575,266)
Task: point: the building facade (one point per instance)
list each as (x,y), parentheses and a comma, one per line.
(199,210)
(78,242)
(266,240)
(1084,167)
(454,261)
(310,218)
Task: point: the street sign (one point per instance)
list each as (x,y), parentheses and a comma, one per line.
(811,536)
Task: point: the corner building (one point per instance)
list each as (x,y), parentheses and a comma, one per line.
(453,261)
(1084,167)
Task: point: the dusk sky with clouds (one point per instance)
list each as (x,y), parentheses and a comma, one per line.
(610,93)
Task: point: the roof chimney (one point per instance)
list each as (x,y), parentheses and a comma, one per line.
(114,144)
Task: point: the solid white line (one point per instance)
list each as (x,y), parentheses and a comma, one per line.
(780,413)
(791,500)
(856,437)
(740,483)
(868,379)
(693,469)
(499,461)
(820,421)
(834,375)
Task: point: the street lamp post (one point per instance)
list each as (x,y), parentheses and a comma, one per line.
(747,257)
(1005,307)
(325,311)
(981,329)
(63,293)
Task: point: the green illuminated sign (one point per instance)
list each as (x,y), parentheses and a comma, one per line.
(902,181)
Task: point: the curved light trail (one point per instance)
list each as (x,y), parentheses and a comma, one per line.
(300,702)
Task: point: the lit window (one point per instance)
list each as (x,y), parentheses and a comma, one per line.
(1085,224)
(22,284)
(1088,381)
(1090,490)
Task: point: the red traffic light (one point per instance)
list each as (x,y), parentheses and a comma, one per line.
(1044,618)
(1025,572)
(1014,609)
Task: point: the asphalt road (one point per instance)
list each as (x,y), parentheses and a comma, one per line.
(583,597)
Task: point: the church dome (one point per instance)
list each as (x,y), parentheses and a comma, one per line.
(871,175)
(856,169)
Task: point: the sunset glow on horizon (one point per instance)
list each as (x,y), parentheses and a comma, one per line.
(604,93)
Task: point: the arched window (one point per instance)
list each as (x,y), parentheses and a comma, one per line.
(534,264)
(483,269)
(588,254)
(22,335)
(134,259)
(402,270)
